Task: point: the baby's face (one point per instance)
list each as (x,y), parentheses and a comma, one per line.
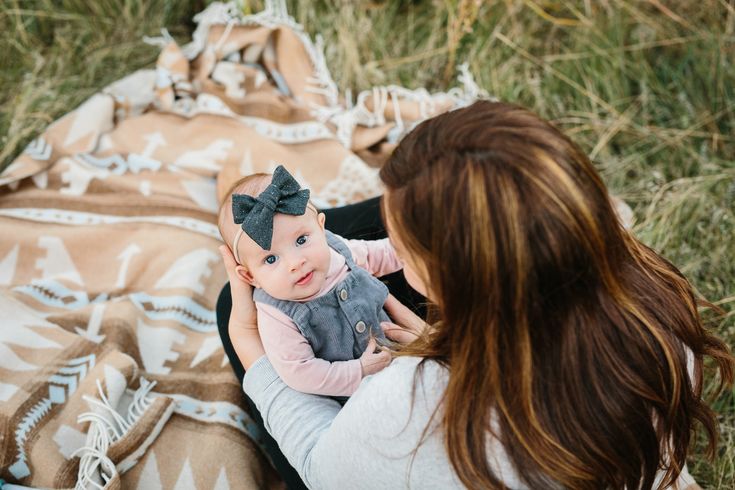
(297,264)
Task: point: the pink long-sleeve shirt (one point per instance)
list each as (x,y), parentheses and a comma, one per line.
(291,354)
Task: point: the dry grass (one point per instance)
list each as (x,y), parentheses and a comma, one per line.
(646,87)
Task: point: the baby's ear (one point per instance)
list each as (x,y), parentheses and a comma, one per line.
(321,218)
(244,274)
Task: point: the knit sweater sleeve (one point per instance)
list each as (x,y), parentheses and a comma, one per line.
(368,443)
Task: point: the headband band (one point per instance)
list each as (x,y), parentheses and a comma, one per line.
(234,246)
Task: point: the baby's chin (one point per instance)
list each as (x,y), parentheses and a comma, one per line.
(298,293)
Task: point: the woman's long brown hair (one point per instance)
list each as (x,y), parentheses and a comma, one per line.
(574,344)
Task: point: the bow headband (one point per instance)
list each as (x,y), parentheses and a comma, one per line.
(255,214)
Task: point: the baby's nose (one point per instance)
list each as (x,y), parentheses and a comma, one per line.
(297,262)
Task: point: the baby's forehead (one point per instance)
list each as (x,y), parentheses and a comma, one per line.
(284,226)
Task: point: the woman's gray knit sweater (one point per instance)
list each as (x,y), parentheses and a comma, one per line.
(368,443)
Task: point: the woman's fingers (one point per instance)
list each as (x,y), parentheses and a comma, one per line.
(230,264)
(243,312)
(398,333)
(403,315)
(407,327)
(243,325)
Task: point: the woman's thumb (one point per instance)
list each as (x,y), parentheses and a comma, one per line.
(397,333)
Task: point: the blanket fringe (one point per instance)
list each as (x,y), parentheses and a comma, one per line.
(344,116)
(274,14)
(107,426)
(347,118)
(161,41)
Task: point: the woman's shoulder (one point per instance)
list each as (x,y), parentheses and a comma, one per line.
(404,366)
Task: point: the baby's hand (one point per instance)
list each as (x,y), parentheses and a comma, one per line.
(372,361)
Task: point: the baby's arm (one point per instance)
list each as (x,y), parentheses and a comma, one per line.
(293,358)
(378,257)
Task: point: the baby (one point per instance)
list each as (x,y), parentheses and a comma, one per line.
(318,303)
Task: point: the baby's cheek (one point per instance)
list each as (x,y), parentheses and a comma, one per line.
(324,255)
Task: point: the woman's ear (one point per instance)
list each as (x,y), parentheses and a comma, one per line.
(244,274)
(321,218)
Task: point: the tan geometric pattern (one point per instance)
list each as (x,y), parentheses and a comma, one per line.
(111,369)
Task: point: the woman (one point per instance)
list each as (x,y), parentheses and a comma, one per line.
(559,351)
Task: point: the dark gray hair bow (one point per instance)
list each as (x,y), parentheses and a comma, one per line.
(255,214)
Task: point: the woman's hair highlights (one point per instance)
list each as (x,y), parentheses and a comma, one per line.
(574,344)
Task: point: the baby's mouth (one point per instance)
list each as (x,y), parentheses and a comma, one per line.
(305,279)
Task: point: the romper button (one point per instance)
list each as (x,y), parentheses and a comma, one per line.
(343,295)
(360,326)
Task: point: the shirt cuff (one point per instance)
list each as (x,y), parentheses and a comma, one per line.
(259,377)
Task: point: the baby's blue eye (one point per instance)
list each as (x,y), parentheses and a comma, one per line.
(302,239)
(271,259)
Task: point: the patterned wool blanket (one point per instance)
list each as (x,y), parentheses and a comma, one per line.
(112,373)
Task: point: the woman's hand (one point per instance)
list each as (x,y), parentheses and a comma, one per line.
(243,325)
(407,327)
